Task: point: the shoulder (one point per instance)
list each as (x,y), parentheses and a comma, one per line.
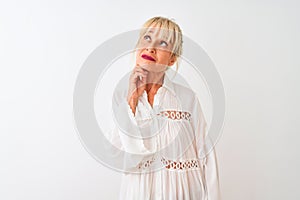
(186,95)
(183,90)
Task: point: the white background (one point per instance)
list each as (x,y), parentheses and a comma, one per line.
(43,44)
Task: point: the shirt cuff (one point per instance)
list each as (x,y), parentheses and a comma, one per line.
(130,113)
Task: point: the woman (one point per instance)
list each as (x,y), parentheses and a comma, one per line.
(163,122)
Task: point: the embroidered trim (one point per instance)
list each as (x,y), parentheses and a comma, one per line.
(170,164)
(146,164)
(187,164)
(175,115)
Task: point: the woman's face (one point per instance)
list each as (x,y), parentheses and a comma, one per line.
(153,53)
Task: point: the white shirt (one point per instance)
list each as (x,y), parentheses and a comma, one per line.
(188,170)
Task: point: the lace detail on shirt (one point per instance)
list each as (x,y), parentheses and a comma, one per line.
(175,115)
(146,164)
(181,165)
(170,164)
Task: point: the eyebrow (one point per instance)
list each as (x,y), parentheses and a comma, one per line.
(150,31)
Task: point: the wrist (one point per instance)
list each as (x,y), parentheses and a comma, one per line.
(132,102)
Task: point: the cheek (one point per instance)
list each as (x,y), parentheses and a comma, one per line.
(139,59)
(164,57)
(138,54)
(142,45)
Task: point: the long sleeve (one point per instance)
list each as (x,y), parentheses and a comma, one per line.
(206,153)
(211,173)
(127,136)
(128,130)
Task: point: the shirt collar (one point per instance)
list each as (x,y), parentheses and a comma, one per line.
(168,84)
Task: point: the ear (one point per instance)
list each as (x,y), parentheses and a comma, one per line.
(172,60)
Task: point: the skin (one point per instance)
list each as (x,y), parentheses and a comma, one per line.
(152,72)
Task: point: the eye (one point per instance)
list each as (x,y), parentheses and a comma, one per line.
(147,37)
(164,43)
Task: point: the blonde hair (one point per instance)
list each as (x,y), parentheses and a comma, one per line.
(171,31)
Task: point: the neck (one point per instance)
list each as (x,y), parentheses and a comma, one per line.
(154,82)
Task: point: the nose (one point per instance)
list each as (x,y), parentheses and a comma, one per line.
(150,49)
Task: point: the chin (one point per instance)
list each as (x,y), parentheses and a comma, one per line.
(146,64)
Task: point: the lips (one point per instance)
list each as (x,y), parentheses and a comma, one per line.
(148,57)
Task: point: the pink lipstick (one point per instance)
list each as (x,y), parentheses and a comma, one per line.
(148,57)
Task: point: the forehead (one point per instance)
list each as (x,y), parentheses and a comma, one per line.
(158,32)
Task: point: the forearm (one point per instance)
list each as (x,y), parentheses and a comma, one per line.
(132,103)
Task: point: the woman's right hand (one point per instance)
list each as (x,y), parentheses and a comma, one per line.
(136,86)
